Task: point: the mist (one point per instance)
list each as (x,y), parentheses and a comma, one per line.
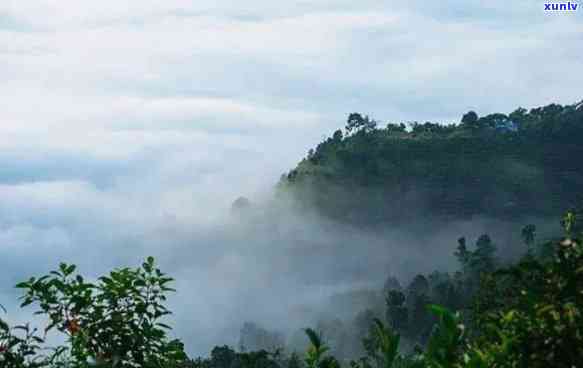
(123,138)
(273,262)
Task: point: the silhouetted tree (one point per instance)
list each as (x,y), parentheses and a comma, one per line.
(470,118)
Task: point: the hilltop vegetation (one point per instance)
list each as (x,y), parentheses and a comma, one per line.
(510,166)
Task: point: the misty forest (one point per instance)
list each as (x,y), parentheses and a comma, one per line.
(291,184)
(490,208)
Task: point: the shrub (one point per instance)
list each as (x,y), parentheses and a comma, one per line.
(114,322)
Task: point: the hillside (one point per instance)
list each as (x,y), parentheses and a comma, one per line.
(507,166)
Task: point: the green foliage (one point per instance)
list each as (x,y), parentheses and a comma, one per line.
(357,123)
(445,348)
(529,314)
(470,119)
(20,346)
(475,264)
(539,322)
(226,357)
(316,355)
(384,349)
(294,361)
(115,322)
(374,176)
(445,345)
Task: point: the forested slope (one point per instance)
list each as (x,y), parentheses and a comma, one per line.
(526,163)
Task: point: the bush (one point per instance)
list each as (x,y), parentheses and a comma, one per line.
(115,322)
(19,350)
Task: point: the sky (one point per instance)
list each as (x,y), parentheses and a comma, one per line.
(129,127)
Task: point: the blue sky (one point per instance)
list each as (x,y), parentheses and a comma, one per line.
(129,127)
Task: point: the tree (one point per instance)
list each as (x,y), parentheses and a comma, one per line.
(395,128)
(519,115)
(316,355)
(20,350)
(537,322)
(445,294)
(391,283)
(419,286)
(357,122)
(253,337)
(445,346)
(294,361)
(354,122)
(223,357)
(383,345)
(240,204)
(528,235)
(569,222)
(462,254)
(116,321)
(335,333)
(397,314)
(470,118)
(420,319)
(483,257)
(362,322)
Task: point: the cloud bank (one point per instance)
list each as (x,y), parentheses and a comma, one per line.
(128,128)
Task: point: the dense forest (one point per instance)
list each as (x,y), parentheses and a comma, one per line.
(490,312)
(505,166)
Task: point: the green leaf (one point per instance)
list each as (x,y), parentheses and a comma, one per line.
(164,326)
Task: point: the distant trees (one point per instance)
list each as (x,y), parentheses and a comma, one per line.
(397,315)
(357,122)
(470,119)
(226,357)
(495,168)
(496,121)
(528,234)
(519,115)
(391,283)
(392,129)
(240,204)
(475,264)
(419,286)
(254,337)
(526,314)
(463,255)
(362,323)
(483,258)
(336,336)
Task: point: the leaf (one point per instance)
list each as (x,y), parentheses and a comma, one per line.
(164,326)
(437,309)
(26,302)
(314,337)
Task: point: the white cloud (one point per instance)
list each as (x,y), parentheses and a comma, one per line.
(128,127)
